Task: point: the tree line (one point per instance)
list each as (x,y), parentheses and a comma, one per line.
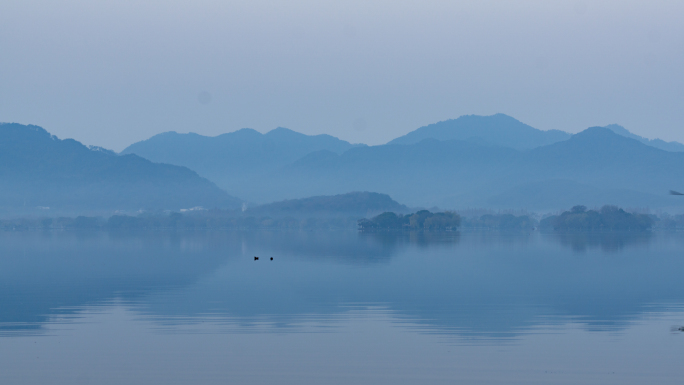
(423,219)
(205,220)
(607,218)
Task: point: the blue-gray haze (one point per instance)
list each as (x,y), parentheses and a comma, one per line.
(111,73)
(180,307)
(474,161)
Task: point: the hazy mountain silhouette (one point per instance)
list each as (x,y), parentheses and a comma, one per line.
(505,131)
(657,143)
(363,204)
(564,193)
(38,169)
(472,160)
(594,167)
(238,160)
(421,174)
(498,130)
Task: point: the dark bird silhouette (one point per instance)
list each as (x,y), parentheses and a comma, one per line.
(256,258)
(673,192)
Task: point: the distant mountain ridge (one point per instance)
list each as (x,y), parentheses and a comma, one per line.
(39,170)
(243,142)
(595,166)
(235,160)
(482,168)
(499,130)
(505,131)
(657,143)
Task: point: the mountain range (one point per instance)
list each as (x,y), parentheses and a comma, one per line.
(42,174)
(469,162)
(473,161)
(238,160)
(594,167)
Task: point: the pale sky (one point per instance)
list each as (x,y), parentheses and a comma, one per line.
(111,73)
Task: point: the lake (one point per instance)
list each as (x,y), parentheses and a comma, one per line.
(340,307)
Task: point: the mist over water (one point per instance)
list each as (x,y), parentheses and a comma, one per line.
(339,306)
(358,192)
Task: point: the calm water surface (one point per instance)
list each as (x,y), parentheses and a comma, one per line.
(340,308)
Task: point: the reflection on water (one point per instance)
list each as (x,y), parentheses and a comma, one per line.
(472,288)
(423,239)
(606,241)
(472,283)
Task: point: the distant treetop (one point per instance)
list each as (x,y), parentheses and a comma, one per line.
(422,219)
(608,217)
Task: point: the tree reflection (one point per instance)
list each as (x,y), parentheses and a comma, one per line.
(605,241)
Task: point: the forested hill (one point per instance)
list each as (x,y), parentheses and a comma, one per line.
(39,170)
(608,218)
(357,204)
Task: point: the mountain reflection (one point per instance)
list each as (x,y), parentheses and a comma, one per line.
(481,284)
